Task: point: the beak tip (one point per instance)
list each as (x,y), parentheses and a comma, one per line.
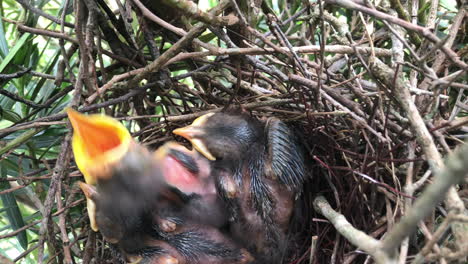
(74,116)
(176,131)
(193,134)
(184,132)
(71,112)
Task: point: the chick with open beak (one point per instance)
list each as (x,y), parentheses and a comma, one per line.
(126,177)
(159,207)
(258,168)
(98,142)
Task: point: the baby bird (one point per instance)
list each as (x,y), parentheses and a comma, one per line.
(258,169)
(159,207)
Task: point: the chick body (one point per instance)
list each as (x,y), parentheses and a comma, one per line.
(258,166)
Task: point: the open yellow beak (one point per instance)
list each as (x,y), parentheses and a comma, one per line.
(193,131)
(98,142)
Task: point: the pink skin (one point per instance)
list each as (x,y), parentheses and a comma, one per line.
(175,174)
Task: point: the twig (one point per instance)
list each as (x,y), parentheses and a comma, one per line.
(358,238)
(422,31)
(341,49)
(453,173)
(192,10)
(386,75)
(36,10)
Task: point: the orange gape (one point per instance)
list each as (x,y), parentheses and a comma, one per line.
(98,138)
(163,201)
(97,142)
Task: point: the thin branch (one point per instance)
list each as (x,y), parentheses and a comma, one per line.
(453,173)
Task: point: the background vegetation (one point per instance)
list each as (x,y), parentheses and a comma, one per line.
(378,89)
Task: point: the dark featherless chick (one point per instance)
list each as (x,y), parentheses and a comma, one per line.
(159,207)
(258,166)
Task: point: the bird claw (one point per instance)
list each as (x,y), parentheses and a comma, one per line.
(167,260)
(246,257)
(134,259)
(229,187)
(167,225)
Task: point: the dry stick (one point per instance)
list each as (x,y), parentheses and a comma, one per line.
(356,237)
(86,46)
(27,177)
(425,32)
(248,106)
(397,59)
(89,247)
(46,104)
(64,157)
(454,28)
(433,239)
(12,189)
(165,57)
(18,98)
(65,59)
(25,253)
(449,255)
(179,31)
(401,12)
(354,115)
(347,103)
(188,117)
(440,58)
(401,90)
(59,35)
(59,170)
(174,49)
(50,120)
(63,227)
(409,190)
(5,260)
(14,96)
(273,71)
(39,31)
(341,49)
(27,5)
(71,244)
(19,230)
(40,74)
(461,218)
(453,173)
(288,44)
(44,121)
(191,10)
(112,83)
(313,248)
(324,92)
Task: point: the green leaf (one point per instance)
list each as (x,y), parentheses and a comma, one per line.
(20,140)
(13,51)
(9,115)
(450,5)
(37,89)
(7,102)
(3,41)
(207,37)
(12,211)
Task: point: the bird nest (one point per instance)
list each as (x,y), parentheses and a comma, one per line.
(375,112)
